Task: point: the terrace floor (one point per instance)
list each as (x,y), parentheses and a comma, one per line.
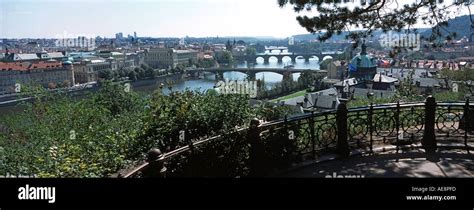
(412,163)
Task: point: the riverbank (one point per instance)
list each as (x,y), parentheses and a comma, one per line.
(290,96)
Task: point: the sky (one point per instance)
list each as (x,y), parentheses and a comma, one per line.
(149,18)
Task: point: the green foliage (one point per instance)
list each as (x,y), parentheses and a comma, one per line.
(407,91)
(250,51)
(61,137)
(358,102)
(57,136)
(460,75)
(206,63)
(324,64)
(195,113)
(224,57)
(331,18)
(269,112)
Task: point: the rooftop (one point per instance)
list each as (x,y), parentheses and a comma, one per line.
(17,66)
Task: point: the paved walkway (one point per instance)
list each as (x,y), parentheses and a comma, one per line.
(414,163)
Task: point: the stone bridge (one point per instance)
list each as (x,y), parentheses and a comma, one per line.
(219,72)
(280,56)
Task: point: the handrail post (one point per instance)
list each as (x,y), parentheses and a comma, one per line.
(312,135)
(429,137)
(156,164)
(342,146)
(397,125)
(467,123)
(257,151)
(371,128)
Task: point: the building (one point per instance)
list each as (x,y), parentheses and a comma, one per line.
(363,67)
(219,47)
(45,73)
(335,69)
(383,82)
(34,57)
(119,36)
(88,70)
(322,100)
(168,57)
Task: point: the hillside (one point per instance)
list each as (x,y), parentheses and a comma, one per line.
(459,25)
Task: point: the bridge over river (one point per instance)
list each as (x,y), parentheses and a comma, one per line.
(251,72)
(292,56)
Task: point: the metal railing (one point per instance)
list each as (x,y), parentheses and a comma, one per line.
(263,148)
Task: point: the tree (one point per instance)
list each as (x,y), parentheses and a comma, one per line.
(260,48)
(66,83)
(106,74)
(132,75)
(52,85)
(324,65)
(140,72)
(150,73)
(334,18)
(250,51)
(224,57)
(206,63)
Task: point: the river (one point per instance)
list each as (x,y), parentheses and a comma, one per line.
(270,78)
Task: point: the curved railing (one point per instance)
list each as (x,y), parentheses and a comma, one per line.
(264,148)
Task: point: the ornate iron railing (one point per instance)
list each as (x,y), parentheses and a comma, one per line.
(263,148)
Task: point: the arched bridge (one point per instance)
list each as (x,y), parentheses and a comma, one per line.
(280,56)
(250,72)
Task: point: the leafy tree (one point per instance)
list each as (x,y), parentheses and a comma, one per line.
(324,64)
(224,57)
(150,73)
(132,75)
(334,17)
(65,137)
(260,48)
(206,63)
(311,79)
(106,74)
(250,51)
(140,72)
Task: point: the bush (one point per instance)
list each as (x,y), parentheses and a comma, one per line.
(57,136)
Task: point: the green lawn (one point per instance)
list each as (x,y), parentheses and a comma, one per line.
(293,95)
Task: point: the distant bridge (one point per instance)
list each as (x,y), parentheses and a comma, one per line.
(250,72)
(280,56)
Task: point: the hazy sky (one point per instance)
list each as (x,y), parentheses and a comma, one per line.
(155,18)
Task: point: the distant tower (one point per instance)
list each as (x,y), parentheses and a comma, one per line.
(70,67)
(135,35)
